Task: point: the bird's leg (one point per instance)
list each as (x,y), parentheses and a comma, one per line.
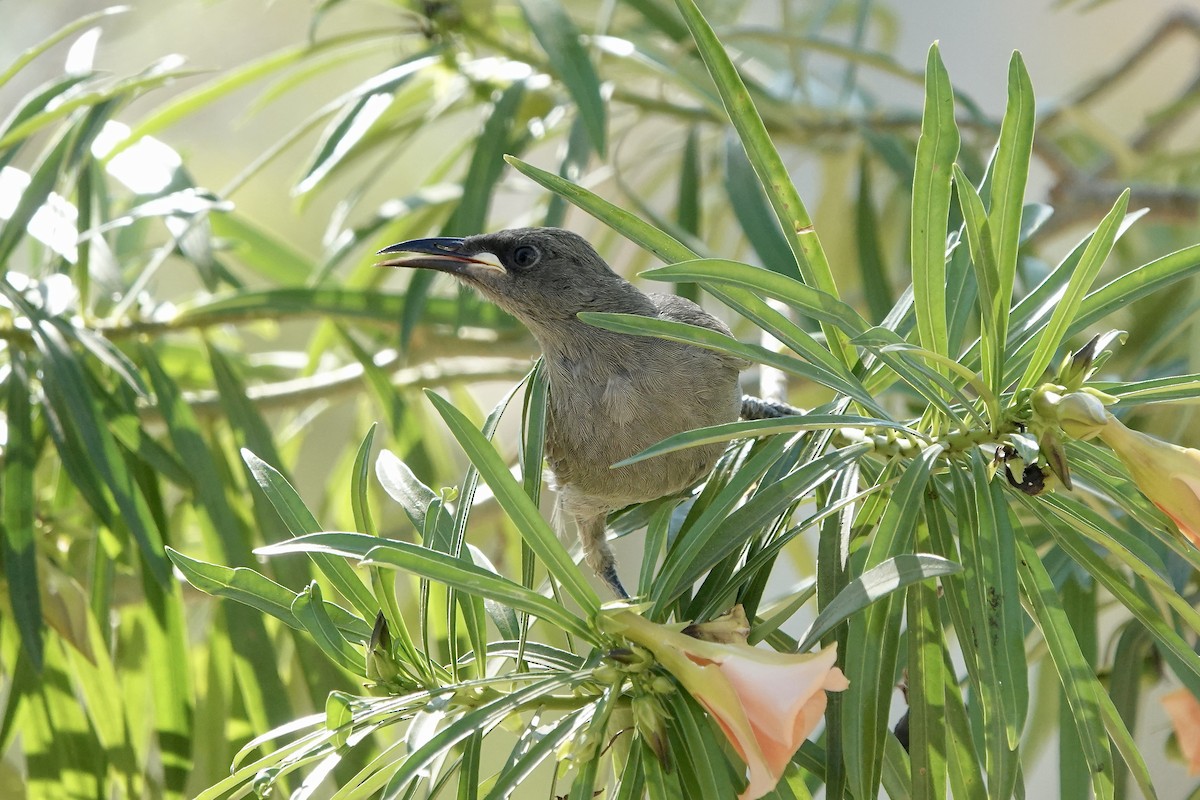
(593,535)
(758,408)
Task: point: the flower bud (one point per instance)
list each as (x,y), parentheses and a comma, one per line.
(1082,415)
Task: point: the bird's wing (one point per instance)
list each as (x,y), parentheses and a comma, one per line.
(680,309)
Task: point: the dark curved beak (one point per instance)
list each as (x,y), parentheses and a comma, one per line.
(441,253)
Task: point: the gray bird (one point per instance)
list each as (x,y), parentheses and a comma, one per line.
(611,395)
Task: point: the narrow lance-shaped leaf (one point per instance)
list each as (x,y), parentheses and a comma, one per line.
(1004,624)
(299,521)
(926,688)
(873,639)
(76,25)
(753,214)
(983,259)
(881,580)
(815,302)
(841,381)
(662,245)
(1093,258)
(793,217)
(1076,676)
(19,540)
(516,503)
(68,391)
(1010,172)
(936,150)
(173,708)
(559,37)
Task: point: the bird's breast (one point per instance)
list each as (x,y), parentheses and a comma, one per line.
(603,409)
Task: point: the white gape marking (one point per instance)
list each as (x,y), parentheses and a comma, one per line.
(488,261)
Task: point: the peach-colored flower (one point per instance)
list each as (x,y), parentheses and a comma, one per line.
(1184,710)
(1169,475)
(767,703)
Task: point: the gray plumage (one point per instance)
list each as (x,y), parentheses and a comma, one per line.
(611,395)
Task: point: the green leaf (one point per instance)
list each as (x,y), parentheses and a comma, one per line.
(749,205)
(983,260)
(266,254)
(205,479)
(926,694)
(299,521)
(870,659)
(532,751)
(778,324)
(629,225)
(19,514)
(414,497)
(518,506)
(1076,676)
(1094,256)
(677,570)
(1154,390)
(996,588)
(876,282)
(1119,708)
(977,636)
(168,669)
(102,102)
(744,429)
(936,150)
(45,175)
(1122,292)
(706,545)
(486,160)
(873,636)
(574,161)
(793,217)
(189,102)
(559,37)
(687,205)
(1145,612)
(584,782)
(1010,172)
(1095,527)
(309,610)
(895,573)
(241,584)
(964,773)
(74,26)
(67,390)
(842,381)
(705,761)
(351,125)
(816,303)
(456,572)
(360,505)
(402,771)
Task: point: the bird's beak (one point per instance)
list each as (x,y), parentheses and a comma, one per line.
(441,253)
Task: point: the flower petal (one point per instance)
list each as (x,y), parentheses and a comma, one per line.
(1184,710)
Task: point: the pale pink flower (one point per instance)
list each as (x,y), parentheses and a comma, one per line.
(1169,475)
(1184,710)
(767,703)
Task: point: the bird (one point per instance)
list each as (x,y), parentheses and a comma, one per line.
(610,395)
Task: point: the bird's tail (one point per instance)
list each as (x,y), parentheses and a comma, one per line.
(758,408)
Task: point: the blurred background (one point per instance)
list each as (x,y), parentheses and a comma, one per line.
(297,168)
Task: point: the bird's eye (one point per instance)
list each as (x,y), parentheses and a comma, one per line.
(525,256)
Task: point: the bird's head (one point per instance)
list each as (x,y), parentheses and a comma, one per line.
(540,275)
